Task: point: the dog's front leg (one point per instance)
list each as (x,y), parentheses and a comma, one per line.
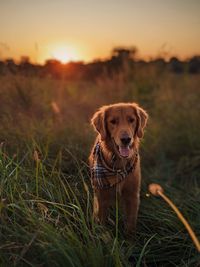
(131,205)
(101,204)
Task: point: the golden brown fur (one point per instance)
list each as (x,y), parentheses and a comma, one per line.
(120,127)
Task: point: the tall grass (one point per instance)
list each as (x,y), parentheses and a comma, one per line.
(45,192)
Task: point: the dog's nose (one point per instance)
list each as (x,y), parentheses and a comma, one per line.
(125,140)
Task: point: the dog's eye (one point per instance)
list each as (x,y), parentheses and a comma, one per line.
(113,121)
(131,120)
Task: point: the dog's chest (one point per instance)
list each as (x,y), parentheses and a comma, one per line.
(105,176)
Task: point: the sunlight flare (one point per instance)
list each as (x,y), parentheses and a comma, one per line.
(64,53)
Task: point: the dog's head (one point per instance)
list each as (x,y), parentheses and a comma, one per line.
(122,124)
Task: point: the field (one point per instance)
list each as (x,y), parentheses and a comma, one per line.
(45,193)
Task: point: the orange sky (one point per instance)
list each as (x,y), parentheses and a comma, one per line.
(89,29)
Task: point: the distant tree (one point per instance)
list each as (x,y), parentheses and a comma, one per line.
(11,66)
(194,65)
(24,60)
(159,61)
(74,70)
(25,66)
(124,54)
(176,65)
(122,58)
(54,68)
(2,67)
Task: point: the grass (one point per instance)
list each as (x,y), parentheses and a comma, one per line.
(45,192)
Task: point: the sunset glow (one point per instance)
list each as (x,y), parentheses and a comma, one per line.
(89,30)
(64,54)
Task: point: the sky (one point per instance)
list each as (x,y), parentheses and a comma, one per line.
(90,29)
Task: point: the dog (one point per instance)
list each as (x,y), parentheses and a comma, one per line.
(115,162)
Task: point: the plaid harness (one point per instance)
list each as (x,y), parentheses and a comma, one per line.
(104,176)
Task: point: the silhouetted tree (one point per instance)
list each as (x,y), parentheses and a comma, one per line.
(54,68)
(176,65)
(125,54)
(74,70)
(194,65)
(26,67)
(11,66)
(2,68)
(122,58)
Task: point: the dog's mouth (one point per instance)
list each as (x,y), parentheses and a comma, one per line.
(124,151)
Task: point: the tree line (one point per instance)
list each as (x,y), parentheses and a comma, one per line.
(121,60)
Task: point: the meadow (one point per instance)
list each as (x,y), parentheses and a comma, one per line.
(45,191)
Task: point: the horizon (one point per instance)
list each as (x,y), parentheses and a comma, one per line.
(101,60)
(89,30)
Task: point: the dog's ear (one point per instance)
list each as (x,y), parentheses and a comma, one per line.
(142,117)
(99,124)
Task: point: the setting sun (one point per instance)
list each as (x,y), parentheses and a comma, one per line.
(64,54)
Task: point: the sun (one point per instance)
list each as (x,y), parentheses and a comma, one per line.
(64,54)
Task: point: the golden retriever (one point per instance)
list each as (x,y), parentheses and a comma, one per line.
(114,160)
